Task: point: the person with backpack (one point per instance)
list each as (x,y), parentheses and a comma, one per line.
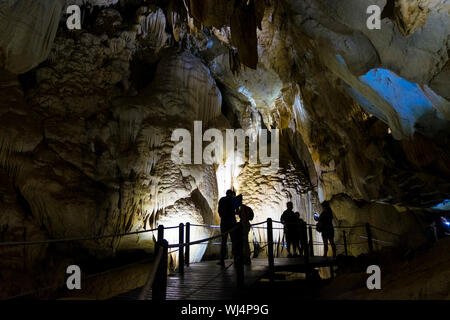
(302,239)
(325,226)
(227,213)
(246,215)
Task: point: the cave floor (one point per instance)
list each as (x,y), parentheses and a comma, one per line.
(208,281)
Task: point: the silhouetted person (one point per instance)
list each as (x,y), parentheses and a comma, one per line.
(227,213)
(245,215)
(290,221)
(302,236)
(237,201)
(325,226)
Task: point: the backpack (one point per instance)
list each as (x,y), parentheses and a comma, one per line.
(251,215)
(319,227)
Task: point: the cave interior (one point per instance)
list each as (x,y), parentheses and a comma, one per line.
(87,117)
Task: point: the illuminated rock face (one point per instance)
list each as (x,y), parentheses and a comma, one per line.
(122,145)
(85,137)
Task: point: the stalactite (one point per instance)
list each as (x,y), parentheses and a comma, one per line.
(152,27)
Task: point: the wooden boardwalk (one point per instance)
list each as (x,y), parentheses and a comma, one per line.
(208,281)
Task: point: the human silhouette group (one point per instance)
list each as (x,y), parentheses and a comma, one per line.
(295,228)
(230,206)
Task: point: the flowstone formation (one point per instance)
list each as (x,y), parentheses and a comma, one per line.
(87,117)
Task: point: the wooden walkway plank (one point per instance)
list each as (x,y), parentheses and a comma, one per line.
(208,281)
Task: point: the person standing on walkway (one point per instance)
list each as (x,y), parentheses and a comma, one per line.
(290,222)
(227,213)
(245,215)
(325,226)
(302,238)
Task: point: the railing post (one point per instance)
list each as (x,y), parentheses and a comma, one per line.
(159,287)
(240,255)
(307,252)
(160,232)
(309,249)
(369,237)
(181,248)
(345,243)
(270,246)
(188,246)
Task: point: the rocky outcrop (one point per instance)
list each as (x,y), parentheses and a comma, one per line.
(345,30)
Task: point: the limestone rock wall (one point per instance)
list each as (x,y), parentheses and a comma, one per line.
(112,154)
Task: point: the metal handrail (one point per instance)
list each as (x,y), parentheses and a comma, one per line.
(25,243)
(204,225)
(4,244)
(177,245)
(157,262)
